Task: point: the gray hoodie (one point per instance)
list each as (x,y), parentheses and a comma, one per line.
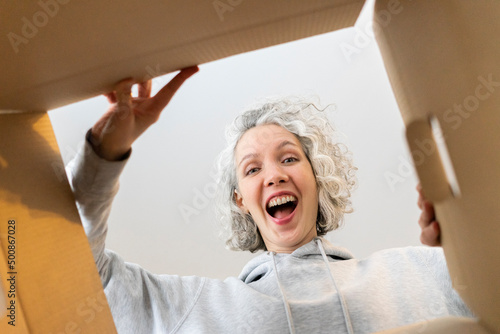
(319,288)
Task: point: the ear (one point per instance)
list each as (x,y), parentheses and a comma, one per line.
(239,201)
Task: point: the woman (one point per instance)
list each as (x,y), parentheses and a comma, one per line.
(284,183)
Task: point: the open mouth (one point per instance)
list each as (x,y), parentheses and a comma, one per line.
(281,206)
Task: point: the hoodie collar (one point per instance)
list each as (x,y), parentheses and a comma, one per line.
(311,248)
(261,264)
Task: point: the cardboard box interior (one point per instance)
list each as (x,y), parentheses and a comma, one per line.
(57,52)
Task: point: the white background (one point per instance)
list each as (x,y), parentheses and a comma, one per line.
(172,163)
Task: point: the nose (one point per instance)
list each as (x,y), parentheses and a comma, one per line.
(275,176)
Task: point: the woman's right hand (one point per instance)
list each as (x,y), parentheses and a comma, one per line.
(128,117)
(431,232)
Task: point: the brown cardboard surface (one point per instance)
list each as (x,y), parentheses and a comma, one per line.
(443,61)
(450,325)
(55,52)
(54,284)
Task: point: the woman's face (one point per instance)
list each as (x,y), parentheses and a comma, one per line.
(277,187)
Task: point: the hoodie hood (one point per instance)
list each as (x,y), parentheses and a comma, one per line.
(262,264)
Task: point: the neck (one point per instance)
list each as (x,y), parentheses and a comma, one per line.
(290,246)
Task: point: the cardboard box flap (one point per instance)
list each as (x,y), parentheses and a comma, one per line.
(48,273)
(443,64)
(57,52)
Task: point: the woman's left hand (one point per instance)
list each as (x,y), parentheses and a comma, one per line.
(431,233)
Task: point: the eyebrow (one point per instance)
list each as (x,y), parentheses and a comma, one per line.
(285,143)
(280,146)
(248,156)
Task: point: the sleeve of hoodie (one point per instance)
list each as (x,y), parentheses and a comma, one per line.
(141,302)
(94,182)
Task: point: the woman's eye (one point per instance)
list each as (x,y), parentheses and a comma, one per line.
(288,160)
(252,170)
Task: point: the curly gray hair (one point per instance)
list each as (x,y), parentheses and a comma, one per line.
(330,161)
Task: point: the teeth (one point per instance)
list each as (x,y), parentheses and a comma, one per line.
(281,200)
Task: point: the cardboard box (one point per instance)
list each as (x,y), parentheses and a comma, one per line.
(48,273)
(443,63)
(57,52)
(442,60)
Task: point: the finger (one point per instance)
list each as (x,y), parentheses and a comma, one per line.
(437,232)
(111,97)
(145,89)
(431,235)
(163,97)
(123,91)
(427,215)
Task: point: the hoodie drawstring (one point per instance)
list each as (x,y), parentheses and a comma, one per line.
(341,296)
(285,301)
